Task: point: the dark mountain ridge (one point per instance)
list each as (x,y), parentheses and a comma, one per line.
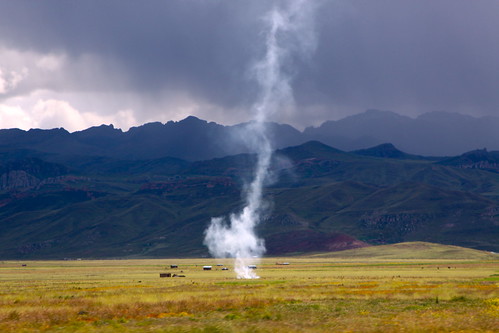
(189,139)
(388,150)
(430,134)
(193,139)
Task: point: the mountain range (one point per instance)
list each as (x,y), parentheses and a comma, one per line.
(104,193)
(193,139)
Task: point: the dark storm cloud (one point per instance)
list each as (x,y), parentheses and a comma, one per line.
(407,56)
(199,45)
(410,55)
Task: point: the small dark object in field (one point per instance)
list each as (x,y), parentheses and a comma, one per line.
(178,275)
(206,268)
(225,269)
(173,266)
(24,265)
(162,275)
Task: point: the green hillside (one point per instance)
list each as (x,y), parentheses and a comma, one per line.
(411,250)
(65,206)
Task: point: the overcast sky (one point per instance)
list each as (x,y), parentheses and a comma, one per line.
(76,64)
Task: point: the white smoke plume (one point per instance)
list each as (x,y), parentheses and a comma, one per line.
(289,31)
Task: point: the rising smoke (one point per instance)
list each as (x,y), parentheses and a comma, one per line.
(289,32)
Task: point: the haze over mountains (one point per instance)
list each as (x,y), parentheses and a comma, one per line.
(431,134)
(152,190)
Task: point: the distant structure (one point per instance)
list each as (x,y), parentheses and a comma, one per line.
(206,268)
(163,275)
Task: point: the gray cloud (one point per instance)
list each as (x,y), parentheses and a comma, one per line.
(410,56)
(159,57)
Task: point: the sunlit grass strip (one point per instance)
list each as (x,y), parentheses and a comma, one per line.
(356,297)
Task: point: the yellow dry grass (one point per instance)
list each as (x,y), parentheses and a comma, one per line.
(309,295)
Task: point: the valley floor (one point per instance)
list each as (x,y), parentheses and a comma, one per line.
(308,295)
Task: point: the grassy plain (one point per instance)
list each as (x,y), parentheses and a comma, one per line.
(308,295)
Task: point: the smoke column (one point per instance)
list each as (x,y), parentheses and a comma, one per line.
(289,30)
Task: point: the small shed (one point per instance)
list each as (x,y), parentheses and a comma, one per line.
(206,268)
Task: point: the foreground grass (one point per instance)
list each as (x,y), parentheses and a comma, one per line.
(309,295)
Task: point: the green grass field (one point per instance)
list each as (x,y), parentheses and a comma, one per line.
(309,295)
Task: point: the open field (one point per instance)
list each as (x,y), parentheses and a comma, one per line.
(308,295)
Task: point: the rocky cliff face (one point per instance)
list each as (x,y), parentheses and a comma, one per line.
(31,172)
(476,159)
(17,179)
